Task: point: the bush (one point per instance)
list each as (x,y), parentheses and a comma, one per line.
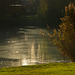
(64,37)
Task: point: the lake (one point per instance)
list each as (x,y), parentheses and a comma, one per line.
(27,46)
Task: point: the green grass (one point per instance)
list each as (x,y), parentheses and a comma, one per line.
(45,69)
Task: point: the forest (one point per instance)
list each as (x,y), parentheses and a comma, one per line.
(47,11)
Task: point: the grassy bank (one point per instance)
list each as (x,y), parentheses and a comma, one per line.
(45,69)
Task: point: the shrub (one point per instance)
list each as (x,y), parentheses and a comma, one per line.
(64,37)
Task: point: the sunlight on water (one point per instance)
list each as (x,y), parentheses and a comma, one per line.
(32,51)
(24,62)
(28,47)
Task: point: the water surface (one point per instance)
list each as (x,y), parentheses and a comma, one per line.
(27,46)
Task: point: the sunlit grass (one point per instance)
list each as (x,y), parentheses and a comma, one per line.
(45,69)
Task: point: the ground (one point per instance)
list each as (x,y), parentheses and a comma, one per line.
(44,69)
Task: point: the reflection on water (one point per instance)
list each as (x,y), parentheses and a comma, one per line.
(27,47)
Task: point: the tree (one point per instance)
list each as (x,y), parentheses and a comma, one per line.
(64,37)
(50,11)
(42,10)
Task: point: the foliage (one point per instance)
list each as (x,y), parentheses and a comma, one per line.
(50,11)
(45,69)
(64,37)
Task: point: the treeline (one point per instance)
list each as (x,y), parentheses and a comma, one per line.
(12,13)
(15,7)
(50,11)
(6,7)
